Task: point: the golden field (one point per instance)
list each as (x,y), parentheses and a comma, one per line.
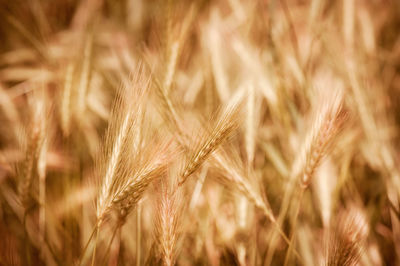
(224,132)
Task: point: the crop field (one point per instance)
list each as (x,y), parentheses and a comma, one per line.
(208,132)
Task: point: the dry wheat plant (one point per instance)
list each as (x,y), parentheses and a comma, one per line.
(208,132)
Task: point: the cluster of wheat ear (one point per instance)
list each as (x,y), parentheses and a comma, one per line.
(177,132)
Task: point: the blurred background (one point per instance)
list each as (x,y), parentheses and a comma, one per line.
(303,170)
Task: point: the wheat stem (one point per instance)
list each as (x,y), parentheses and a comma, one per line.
(95,247)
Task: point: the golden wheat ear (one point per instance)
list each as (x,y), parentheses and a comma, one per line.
(169,211)
(329,118)
(119,150)
(36,140)
(211,139)
(132,159)
(346,238)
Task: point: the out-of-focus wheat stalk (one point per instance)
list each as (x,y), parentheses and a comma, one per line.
(66,100)
(34,166)
(327,123)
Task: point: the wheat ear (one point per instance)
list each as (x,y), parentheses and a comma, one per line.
(210,141)
(346,240)
(169,210)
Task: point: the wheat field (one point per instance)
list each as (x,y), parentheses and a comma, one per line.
(223,132)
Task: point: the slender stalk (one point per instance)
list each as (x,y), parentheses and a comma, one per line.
(95,247)
(296,214)
(117,232)
(138,233)
(87,244)
(108,249)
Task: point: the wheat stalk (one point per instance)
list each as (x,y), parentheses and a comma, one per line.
(66,100)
